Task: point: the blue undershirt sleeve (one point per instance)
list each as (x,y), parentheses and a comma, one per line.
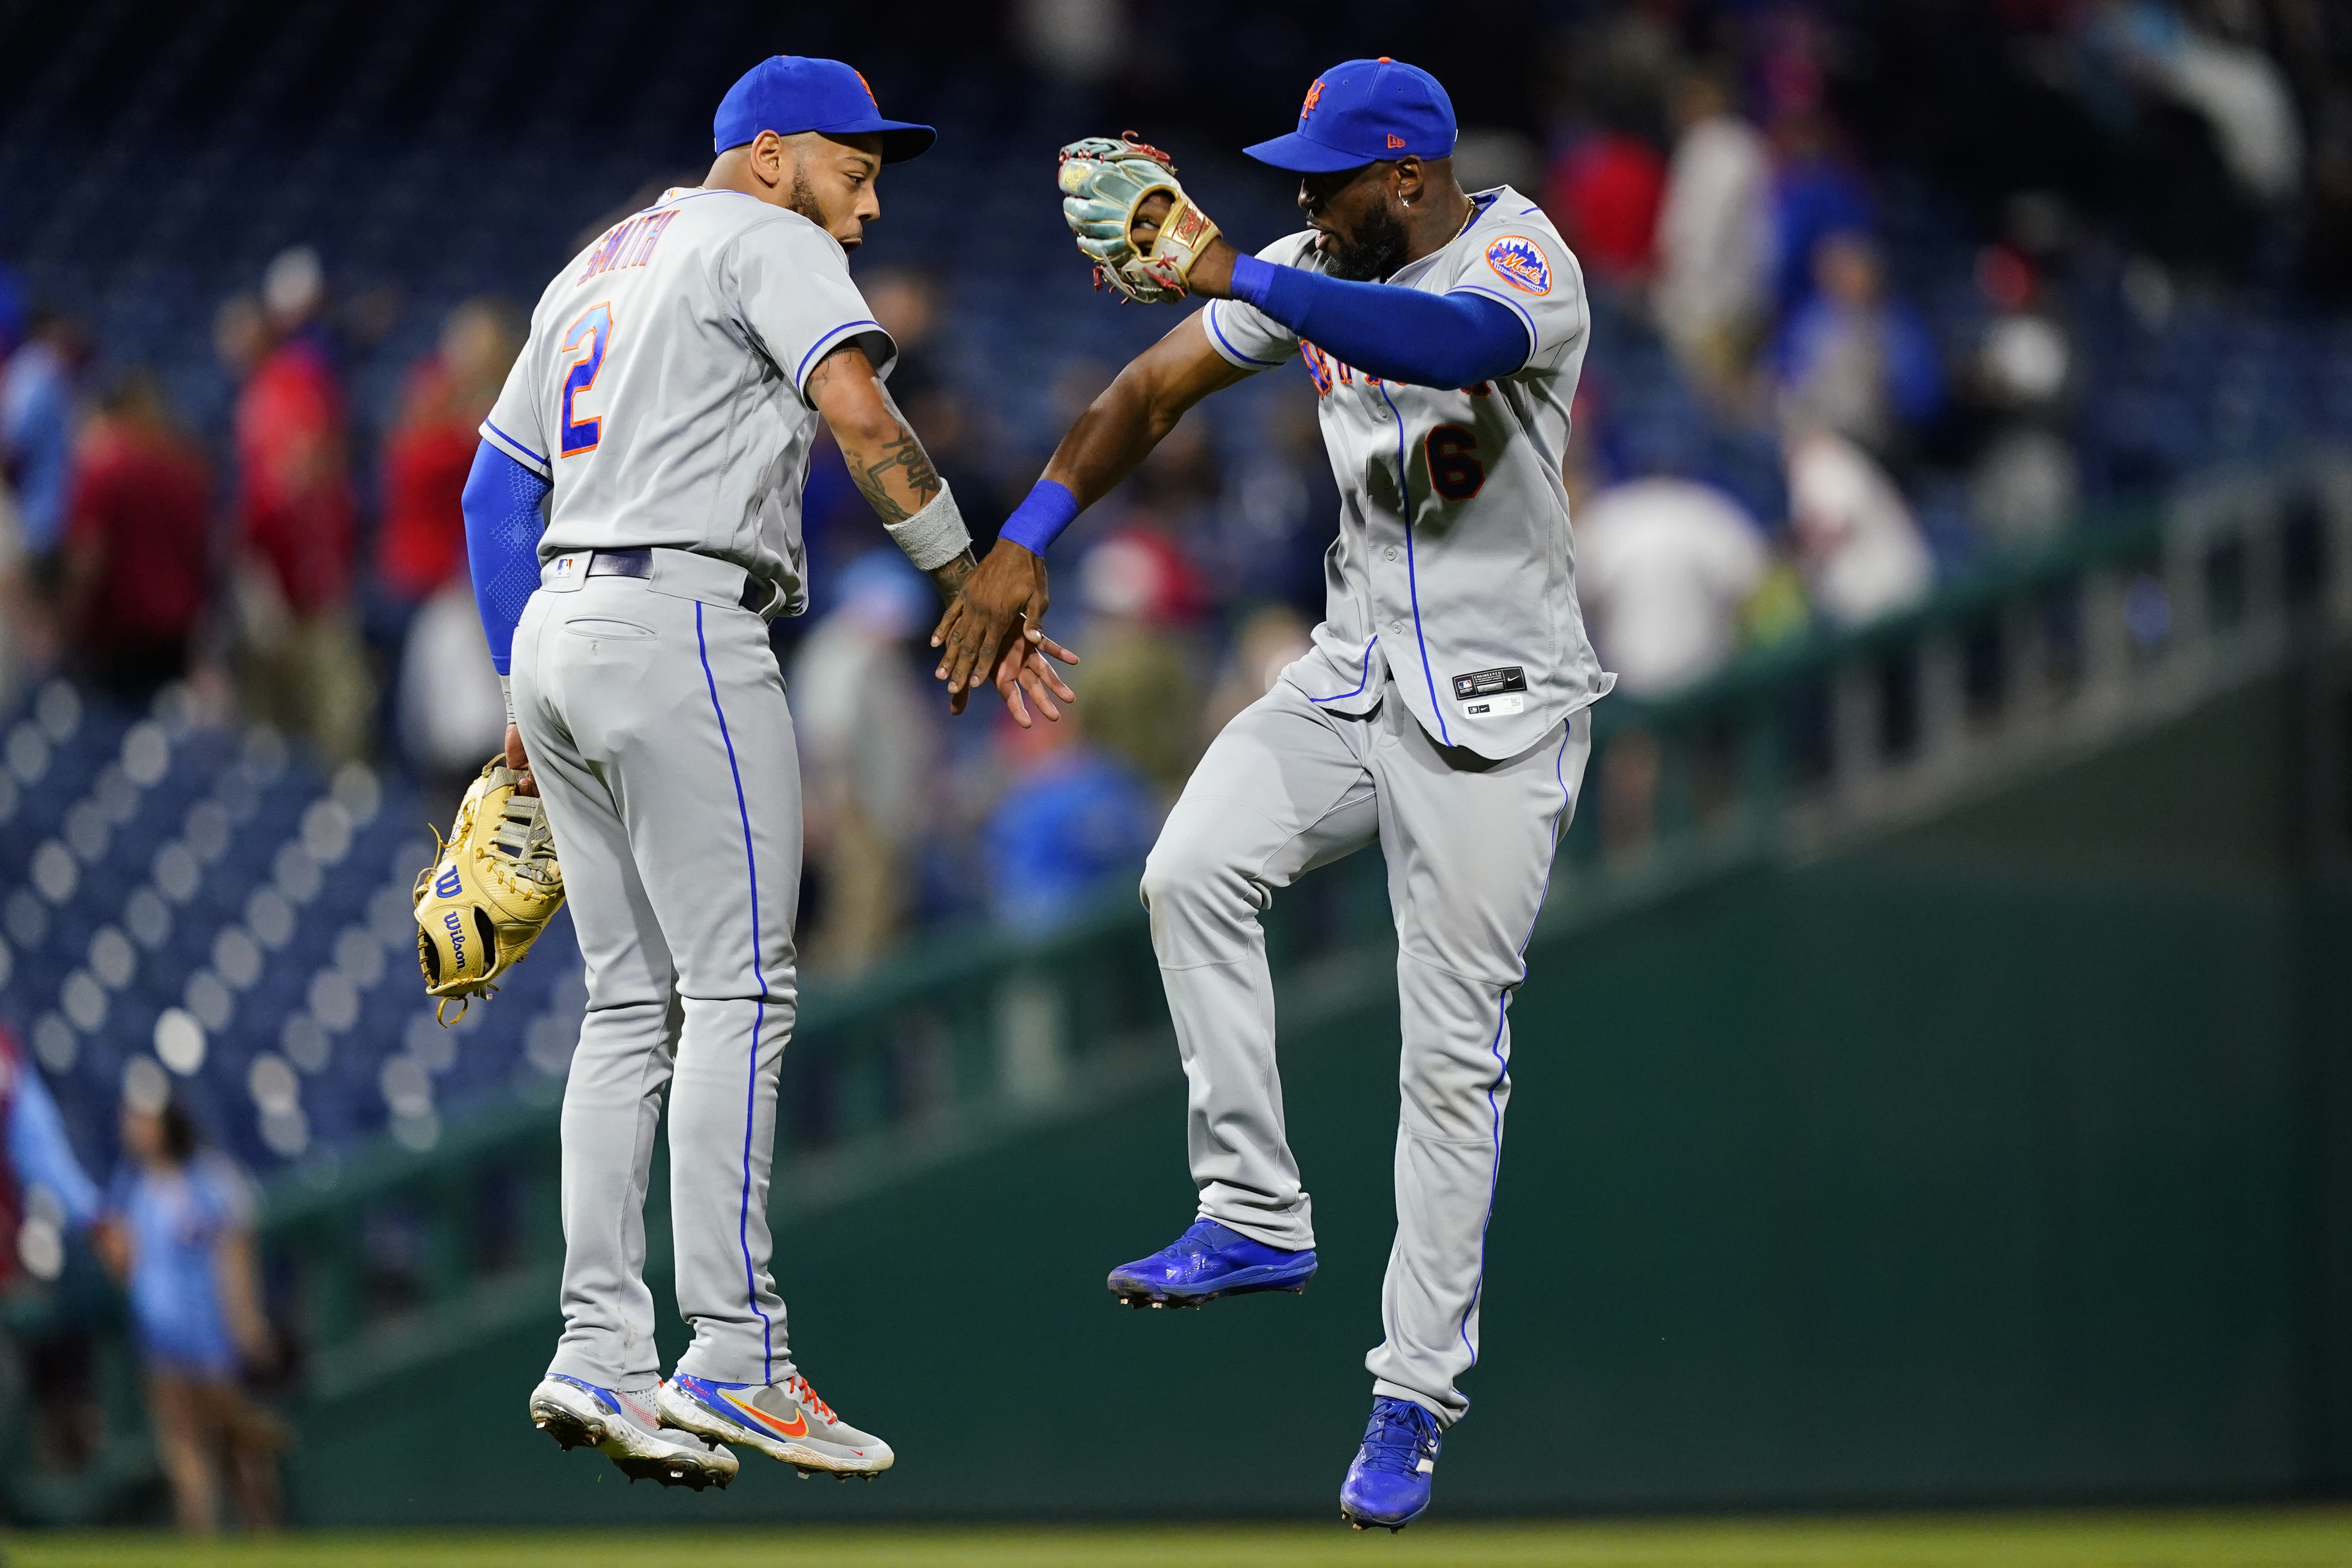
(503,521)
(1395,334)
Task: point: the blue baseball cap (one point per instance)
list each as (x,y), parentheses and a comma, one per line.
(791,93)
(1362,112)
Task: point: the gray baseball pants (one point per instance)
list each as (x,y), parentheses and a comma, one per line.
(653,714)
(1287,787)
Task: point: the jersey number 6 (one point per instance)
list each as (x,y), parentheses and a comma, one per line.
(1454,469)
(595,328)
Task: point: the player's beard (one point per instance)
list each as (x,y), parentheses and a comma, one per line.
(1373,254)
(803,201)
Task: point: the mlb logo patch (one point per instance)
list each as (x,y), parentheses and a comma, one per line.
(1520,264)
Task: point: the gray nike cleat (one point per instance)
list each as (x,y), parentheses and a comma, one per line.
(786,1421)
(628,1431)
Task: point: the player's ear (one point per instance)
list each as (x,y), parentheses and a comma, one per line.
(1409,180)
(768,157)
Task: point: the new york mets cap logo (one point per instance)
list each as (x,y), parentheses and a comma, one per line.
(1314,97)
(1520,264)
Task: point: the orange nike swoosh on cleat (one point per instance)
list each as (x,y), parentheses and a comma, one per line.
(797,1428)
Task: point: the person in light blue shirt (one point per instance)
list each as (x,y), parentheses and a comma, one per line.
(44,1190)
(183,1229)
(36,430)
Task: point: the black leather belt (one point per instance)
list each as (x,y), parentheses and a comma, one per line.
(640,563)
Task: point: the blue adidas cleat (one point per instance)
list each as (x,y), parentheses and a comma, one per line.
(1388,1483)
(1208,1261)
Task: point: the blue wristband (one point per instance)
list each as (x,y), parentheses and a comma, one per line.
(1252,279)
(1039,520)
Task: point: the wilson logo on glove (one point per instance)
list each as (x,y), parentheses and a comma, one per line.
(491,891)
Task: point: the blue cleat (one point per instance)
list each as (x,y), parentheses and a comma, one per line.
(1389,1482)
(1206,1262)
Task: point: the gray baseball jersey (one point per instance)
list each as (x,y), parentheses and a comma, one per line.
(1453,570)
(663,389)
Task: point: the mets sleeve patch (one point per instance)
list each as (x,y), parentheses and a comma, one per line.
(1520,263)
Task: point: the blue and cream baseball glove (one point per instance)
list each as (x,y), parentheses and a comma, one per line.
(1104,185)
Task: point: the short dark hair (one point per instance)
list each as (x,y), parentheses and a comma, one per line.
(179,1131)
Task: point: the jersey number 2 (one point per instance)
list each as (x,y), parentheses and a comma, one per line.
(1454,469)
(593,329)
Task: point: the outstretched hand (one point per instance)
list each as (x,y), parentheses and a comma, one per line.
(1023,670)
(998,611)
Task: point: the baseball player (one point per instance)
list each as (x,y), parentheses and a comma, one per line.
(633,523)
(1442,711)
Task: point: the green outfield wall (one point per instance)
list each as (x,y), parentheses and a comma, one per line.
(2005,1159)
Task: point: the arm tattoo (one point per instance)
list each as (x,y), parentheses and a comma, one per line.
(916,474)
(948,576)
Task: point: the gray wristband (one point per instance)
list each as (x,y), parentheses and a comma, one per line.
(935,535)
(506,689)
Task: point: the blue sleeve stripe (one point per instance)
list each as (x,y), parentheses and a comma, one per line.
(800,376)
(1525,320)
(1230,351)
(517,448)
(1364,677)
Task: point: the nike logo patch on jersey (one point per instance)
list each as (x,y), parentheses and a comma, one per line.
(1520,263)
(1492,693)
(1488,682)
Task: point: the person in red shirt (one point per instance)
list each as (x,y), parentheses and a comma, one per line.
(422,543)
(137,570)
(1604,191)
(297,523)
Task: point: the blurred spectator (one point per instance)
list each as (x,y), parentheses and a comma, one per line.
(11,312)
(1662,566)
(183,1244)
(1854,360)
(422,543)
(1142,694)
(837,526)
(37,434)
(1715,236)
(1273,638)
(1815,194)
(37,440)
(22,643)
(863,715)
(296,514)
(1072,820)
(138,545)
(45,1195)
(2024,483)
(449,711)
(2238,89)
(45,1198)
(1604,189)
(1860,550)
